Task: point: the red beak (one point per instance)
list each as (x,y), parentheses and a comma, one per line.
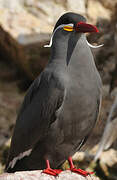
(85,28)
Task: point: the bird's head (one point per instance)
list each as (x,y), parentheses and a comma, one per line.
(72,22)
(75,22)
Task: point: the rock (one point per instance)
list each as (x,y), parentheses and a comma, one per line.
(38,175)
(15,5)
(107,164)
(109,157)
(44,9)
(10,101)
(21,22)
(15,37)
(110,130)
(109,4)
(105,56)
(77,6)
(96,9)
(113,83)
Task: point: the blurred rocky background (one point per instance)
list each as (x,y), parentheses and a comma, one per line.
(25,27)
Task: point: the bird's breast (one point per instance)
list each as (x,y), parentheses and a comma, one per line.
(78,112)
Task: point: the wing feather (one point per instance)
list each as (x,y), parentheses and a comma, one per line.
(38,112)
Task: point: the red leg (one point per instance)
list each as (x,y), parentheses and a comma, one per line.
(48,170)
(79,171)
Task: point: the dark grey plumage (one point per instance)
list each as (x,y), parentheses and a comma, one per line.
(61,106)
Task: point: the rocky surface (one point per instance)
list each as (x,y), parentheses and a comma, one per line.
(38,175)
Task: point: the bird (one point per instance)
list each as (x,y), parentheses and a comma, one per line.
(61,106)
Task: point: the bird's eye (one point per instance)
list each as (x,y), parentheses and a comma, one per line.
(68,27)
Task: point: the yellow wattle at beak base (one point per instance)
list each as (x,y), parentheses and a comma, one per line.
(68,28)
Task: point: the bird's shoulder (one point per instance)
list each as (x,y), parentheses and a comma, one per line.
(48,82)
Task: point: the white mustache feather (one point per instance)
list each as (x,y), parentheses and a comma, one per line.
(61,26)
(92,46)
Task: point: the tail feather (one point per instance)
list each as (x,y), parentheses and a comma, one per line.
(35,160)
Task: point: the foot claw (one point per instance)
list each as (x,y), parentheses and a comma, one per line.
(81,172)
(53,172)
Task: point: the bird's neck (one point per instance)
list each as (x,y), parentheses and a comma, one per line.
(71,53)
(59,53)
(63,48)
